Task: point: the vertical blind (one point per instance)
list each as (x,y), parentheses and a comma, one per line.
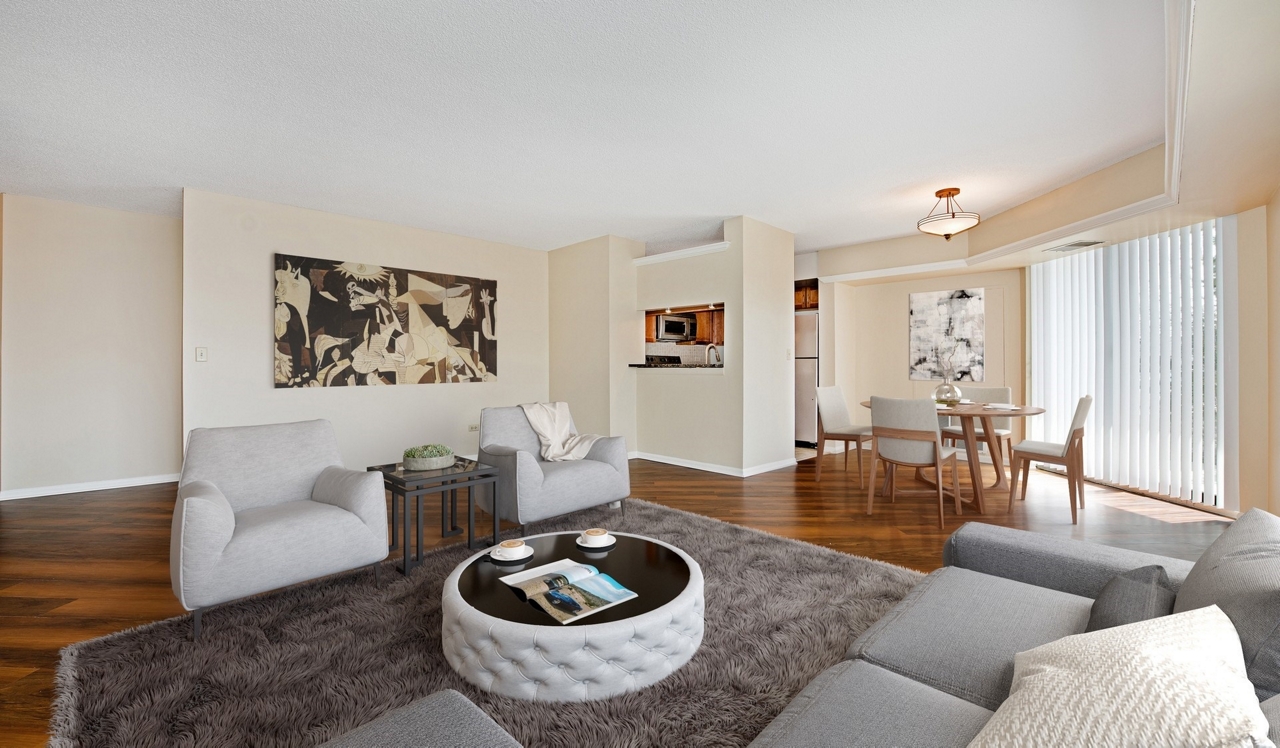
(1139,326)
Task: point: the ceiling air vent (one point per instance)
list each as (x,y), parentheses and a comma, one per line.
(1073,246)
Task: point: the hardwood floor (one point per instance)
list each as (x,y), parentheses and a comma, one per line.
(80,566)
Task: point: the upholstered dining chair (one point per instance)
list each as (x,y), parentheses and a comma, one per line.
(263,507)
(834,424)
(905,433)
(1069,455)
(953,433)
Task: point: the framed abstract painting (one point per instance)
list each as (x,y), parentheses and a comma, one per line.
(346,324)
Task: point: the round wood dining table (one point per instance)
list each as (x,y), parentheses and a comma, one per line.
(968,413)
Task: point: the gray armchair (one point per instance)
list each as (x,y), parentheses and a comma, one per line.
(531,488)
(262,507)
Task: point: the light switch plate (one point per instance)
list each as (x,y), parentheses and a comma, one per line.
(202,354)
(473,427)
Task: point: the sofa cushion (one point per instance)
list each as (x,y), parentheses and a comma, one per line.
(958,631)
(856,704)
(1177,680)
(1240,573)
(1074,566)
(445,719)
(275,546)
(1138,595)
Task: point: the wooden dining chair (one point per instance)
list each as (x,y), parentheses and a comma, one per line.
(1069,455)
(834,424)
(905,433)
(953,433)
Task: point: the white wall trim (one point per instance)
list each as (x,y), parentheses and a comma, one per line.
(97,485)
(1155,202)
(681,254)
(924,267)
(1230,364)
(1179,21)
(712,468)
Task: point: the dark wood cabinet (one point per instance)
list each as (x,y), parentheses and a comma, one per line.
(710,327)
(650,327)
(807,294)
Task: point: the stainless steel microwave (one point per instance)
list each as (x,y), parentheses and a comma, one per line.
(677,327)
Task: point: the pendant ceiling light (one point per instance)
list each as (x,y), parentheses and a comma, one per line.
(949,221)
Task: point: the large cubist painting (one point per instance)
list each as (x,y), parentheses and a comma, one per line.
(947,331)
(345,324)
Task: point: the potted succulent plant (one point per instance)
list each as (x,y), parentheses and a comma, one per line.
(428,457)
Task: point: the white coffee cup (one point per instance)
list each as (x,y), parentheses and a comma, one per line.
(596,537)
(509,550)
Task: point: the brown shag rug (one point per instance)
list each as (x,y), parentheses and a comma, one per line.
(305,664)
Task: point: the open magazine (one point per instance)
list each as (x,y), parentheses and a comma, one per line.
(568,590)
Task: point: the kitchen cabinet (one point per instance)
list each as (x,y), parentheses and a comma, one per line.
(650,327)
(807,294)
(710,329)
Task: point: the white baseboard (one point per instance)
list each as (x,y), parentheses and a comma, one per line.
(97,485)
(713,468)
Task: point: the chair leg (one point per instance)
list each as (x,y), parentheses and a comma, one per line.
(195,624)
(871,485)
(377,574)
(1080,479)
(622,504)
(817,461)
(893,481)
(955,484)
(524,531)
(1071,489)
(937,469)
(861,484)
(1015,467)
(1026,476)
(846,456)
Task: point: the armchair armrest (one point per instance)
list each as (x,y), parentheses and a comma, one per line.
(514,464)
(612,450)
(203,524)
(518,475)
(358,491)
(1062,564)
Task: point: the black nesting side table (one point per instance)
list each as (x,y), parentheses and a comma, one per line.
(414,484)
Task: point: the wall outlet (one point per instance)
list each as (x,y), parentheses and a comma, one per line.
(202,355)
(473,427)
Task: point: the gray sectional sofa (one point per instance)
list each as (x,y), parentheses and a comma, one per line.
(936,667)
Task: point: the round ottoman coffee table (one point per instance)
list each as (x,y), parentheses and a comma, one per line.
(507,646)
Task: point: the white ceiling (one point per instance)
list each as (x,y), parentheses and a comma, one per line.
(543,124)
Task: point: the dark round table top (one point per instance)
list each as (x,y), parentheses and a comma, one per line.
(656,573)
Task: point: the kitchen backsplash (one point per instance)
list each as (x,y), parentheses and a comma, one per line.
(689,354)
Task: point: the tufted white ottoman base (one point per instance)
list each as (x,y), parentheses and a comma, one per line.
(571,663)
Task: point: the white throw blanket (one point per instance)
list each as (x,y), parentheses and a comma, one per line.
(555,430)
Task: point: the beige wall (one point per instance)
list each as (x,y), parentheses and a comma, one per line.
(228,243)
(626,340)
(739,419)
(694,415)
(1250,443)
(872,336)
(768,345)
(596,331)
(1273,351)
(579,332)
(92,303)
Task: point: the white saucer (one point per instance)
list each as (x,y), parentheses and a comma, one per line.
(520,559)
(606,547)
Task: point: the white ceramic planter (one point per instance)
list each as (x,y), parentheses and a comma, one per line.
(429,463)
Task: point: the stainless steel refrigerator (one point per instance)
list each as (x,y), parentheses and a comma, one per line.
(807,376)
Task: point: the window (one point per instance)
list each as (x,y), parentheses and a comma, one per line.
(1140,326)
